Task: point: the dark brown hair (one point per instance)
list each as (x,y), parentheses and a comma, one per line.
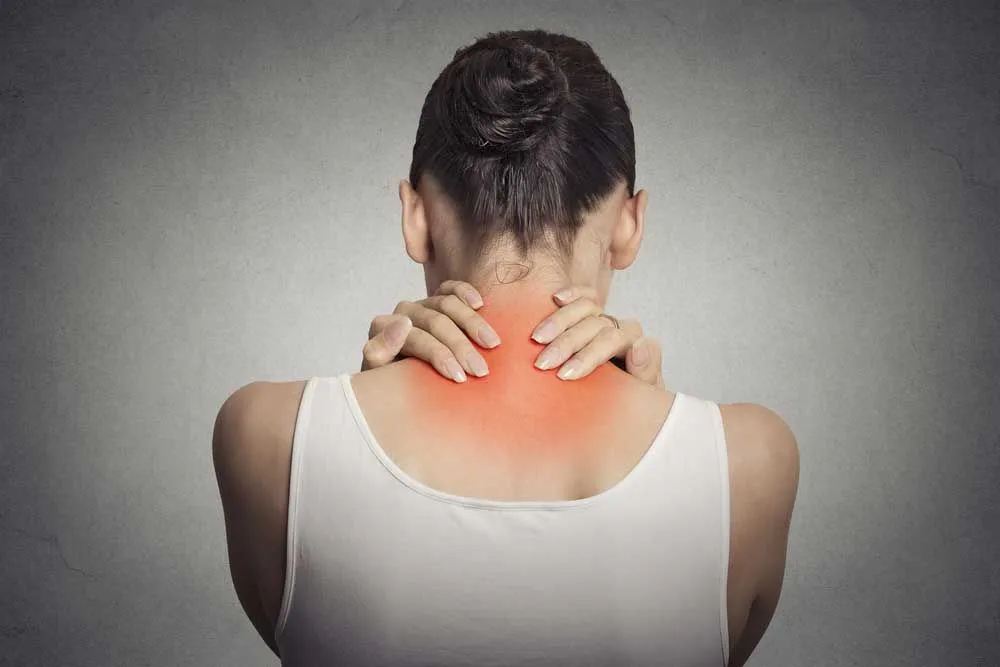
(526,131)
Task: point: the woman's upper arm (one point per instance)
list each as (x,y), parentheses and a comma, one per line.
(251,451)
(768,460)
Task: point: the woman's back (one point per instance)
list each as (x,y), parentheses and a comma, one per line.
(416,546)
(516,434)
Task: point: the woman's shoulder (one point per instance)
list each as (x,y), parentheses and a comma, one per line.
(763,460)
(758,437)
(260,408)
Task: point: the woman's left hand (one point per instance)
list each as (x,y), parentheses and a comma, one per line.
(583,338)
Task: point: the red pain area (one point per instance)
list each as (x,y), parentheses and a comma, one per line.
(517,415)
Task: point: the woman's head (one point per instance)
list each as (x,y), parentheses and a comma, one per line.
(525,153)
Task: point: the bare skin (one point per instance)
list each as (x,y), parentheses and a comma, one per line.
(517,418)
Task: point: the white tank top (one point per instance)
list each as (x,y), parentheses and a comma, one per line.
(385,570)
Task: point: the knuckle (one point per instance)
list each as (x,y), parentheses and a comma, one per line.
(610,332)
(437,324)
(632,327)
(584,306)
(608,336)
(602,324)
(435,319)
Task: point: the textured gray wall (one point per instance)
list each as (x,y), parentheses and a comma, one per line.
(197,195)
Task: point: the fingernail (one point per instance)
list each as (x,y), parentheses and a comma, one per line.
(396,332)
(570,369)
(488,336)
(564,294)
(455,370)
(550,358)
(474,299)
(545,333)
(640,352)
(477,363)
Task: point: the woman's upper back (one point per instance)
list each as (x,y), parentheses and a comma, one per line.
(667,527)
(517,434)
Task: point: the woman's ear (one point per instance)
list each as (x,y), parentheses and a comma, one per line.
(627,233)
(416,236)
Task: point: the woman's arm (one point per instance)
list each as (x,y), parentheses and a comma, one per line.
(764,470)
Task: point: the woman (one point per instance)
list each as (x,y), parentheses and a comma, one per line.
(507,516)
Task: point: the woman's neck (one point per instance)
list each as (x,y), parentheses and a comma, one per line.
(516,403)
(515,310)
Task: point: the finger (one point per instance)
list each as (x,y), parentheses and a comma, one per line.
(459,314)
(632,330)
(443,328)
(468,320)
(463,290)
(573,292)
(565,317)
(644,361)
(601,348)
(568,343)
(387,335)
(591,342)
(422,345)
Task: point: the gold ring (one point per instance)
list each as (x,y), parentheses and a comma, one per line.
(614,320)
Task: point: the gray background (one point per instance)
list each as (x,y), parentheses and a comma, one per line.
(197,195)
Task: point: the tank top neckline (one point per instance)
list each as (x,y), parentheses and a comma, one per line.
(505,505)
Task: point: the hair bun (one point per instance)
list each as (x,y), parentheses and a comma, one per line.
(505,96)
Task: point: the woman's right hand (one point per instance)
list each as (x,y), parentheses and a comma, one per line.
(436,329)
(432,329)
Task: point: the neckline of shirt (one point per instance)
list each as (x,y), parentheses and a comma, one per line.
(502,505)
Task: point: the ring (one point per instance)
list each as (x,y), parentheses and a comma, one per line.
(614,320)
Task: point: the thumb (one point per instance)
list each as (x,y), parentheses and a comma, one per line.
(382,348)
(395,334)
(643,360)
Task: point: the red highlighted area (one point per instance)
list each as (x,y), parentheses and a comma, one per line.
(518,416)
